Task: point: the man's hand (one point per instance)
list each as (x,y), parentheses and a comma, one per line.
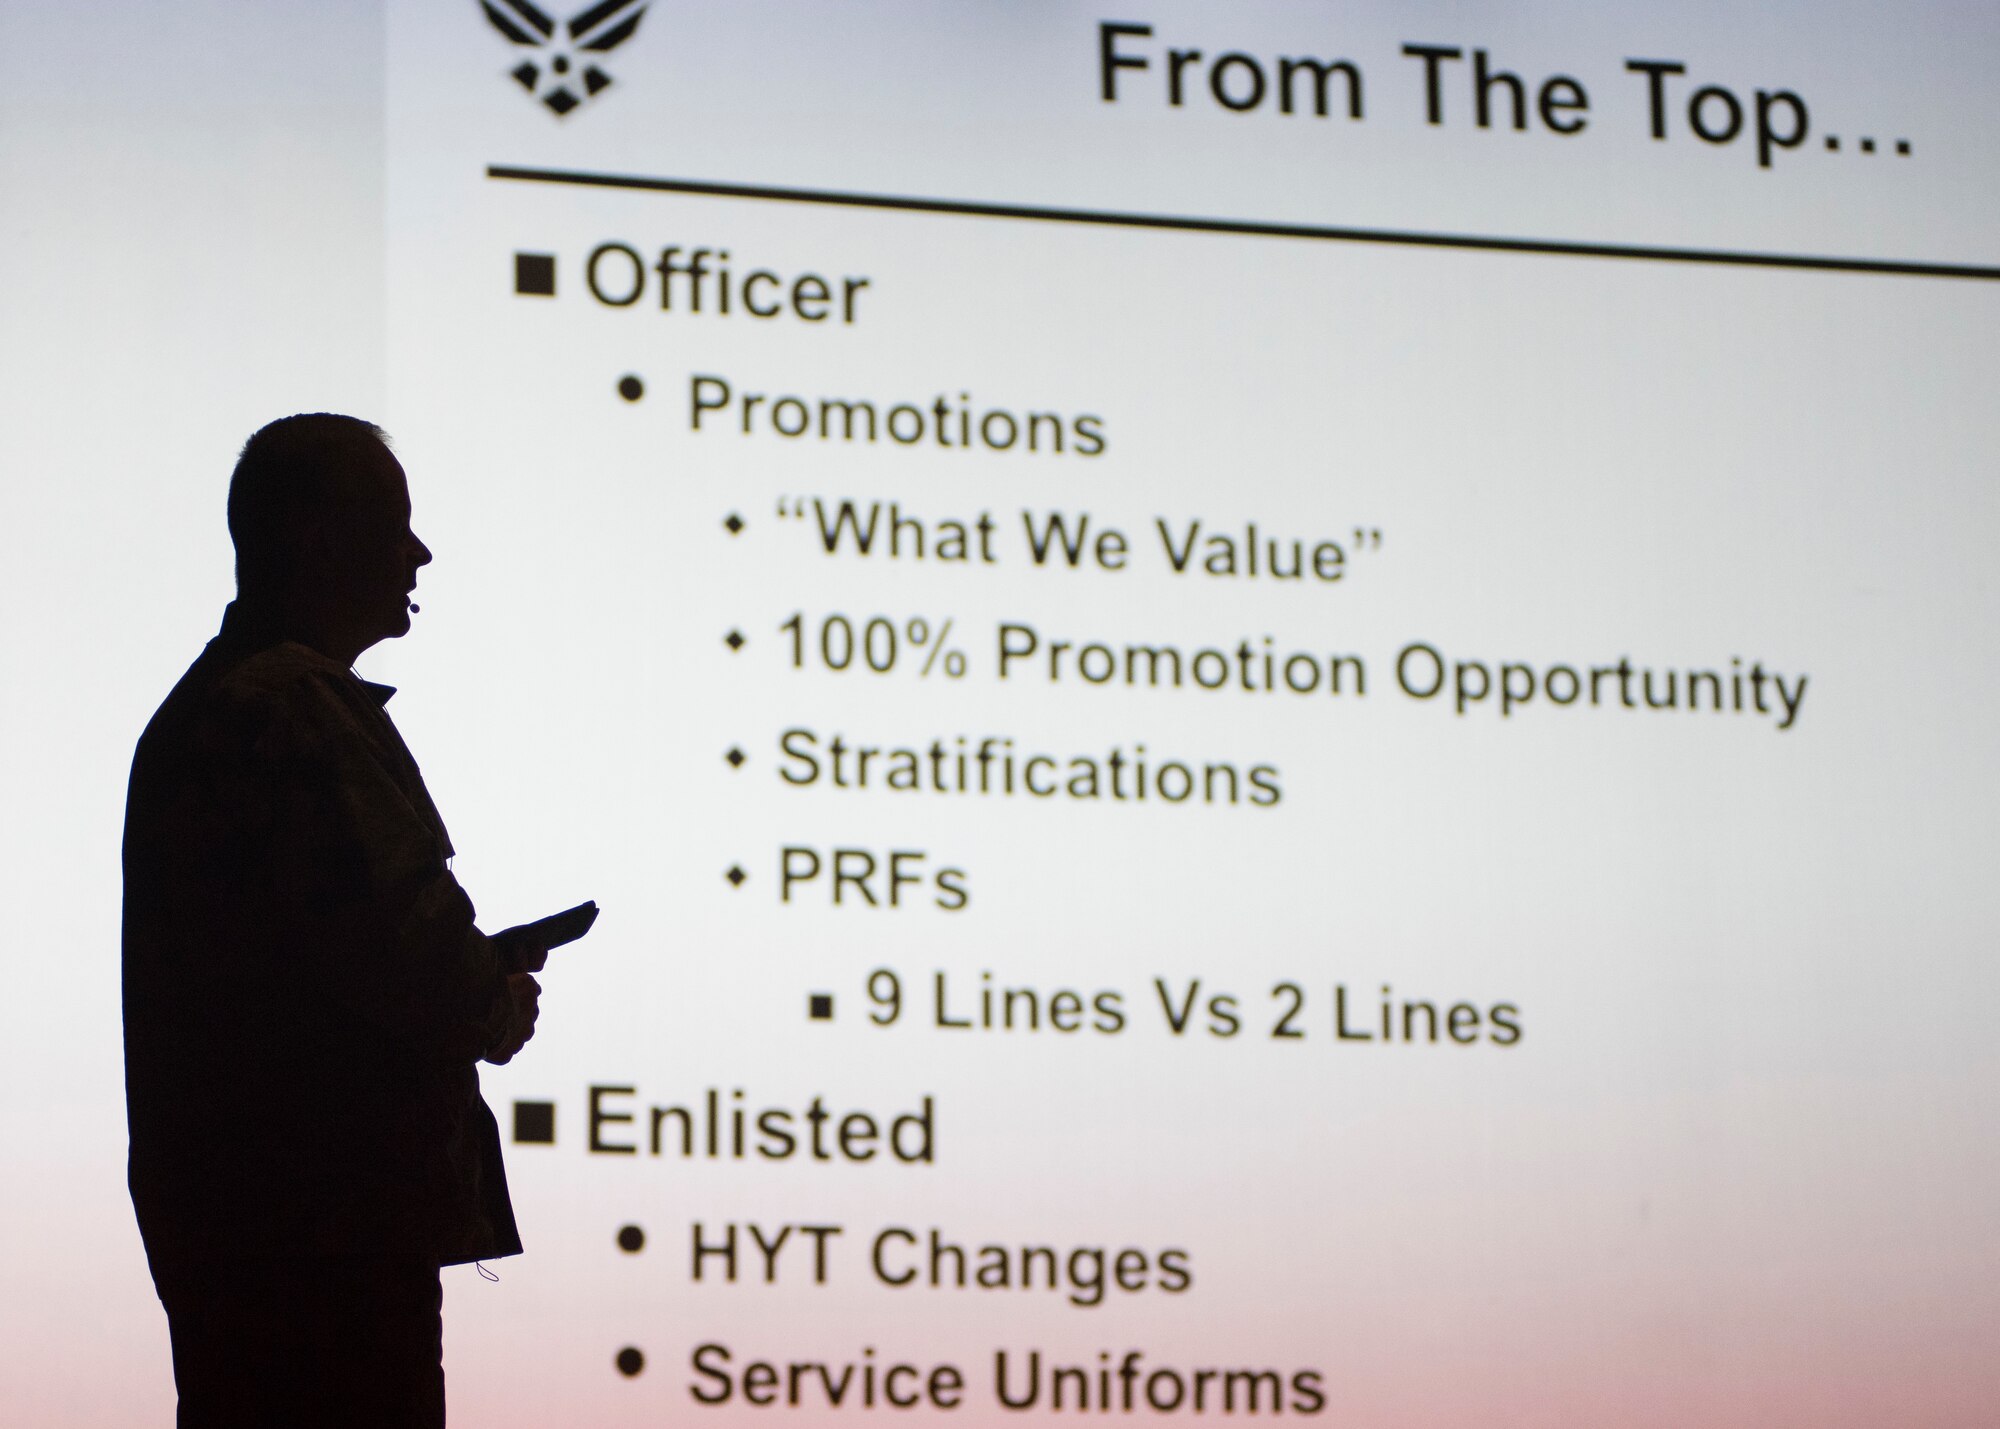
(525,999)
(520,950)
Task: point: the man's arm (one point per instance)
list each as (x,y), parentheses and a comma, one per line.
(362,886)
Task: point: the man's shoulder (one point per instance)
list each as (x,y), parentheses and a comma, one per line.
(277,674)
(243,699)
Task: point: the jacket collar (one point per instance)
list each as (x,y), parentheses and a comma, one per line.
(247,629)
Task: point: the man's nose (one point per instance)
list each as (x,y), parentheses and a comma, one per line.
(420,550)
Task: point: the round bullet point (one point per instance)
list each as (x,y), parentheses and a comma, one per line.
(631,388)
(631,1239)
(630,1362)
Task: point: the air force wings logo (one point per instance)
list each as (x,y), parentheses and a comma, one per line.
(562,70)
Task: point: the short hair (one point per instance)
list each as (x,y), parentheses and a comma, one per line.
(290,474)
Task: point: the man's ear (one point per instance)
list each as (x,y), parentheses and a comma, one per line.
(313,549)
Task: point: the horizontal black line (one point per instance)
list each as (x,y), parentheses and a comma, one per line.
(1244,227)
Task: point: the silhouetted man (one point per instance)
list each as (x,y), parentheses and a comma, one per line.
(306,996)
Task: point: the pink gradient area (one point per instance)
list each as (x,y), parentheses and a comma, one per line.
(1746,1358)
(1746,1353)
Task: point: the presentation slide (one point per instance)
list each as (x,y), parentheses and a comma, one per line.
(1277,707)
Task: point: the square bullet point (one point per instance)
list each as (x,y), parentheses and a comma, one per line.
(535,1123)
(819,1007)
(535,274)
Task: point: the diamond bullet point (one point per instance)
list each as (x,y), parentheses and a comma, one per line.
(736,875)
(733,523)
(734,640)
(736,758)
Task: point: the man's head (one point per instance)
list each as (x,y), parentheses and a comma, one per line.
(320,514)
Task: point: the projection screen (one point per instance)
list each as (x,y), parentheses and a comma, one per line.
(1278,707)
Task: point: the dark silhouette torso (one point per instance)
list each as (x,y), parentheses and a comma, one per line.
(305,994)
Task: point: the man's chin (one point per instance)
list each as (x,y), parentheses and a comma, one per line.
(395,627)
